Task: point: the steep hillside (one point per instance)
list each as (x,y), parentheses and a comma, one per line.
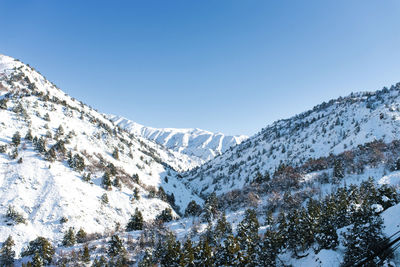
(63,164)
(339,125)
(199,145)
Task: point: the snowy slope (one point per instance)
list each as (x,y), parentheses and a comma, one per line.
(339,125)
(44,189)
(199,145)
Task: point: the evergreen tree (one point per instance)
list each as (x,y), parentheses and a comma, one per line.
(86,177)
(81,236)
(187,255)
(29,136)
(3,103)
(269,249)
(248,237)
(168,251)
(136,193)
(59,131)
(283,229)
(117,182)
(326,236)
(222,229)
(205,254)
(46,117)
(338,171)
(397,165)
(165,215)
(7,254)
(69,238)
(294,240)
(115,154)
(306,229)
(104,199)
(42,247)
(211,207)
(40,144)
(192,209)
(37,261)
(106,181)
(116,248)
(364,236)
(16,139)
(229,254)
(78,163)
(147,260)
(135,178)
(136,222)
(86,254)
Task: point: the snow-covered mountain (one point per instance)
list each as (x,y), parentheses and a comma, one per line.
(44,173)
(329,128)
(64,164)
(199,145)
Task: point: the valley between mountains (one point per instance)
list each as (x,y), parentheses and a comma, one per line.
(82,188)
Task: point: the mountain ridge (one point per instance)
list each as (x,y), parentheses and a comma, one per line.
(331,127)
(200,145)
(62,159)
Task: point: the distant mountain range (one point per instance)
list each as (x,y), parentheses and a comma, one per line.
(199,145)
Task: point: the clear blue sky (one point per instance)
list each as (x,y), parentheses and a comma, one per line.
(229,66)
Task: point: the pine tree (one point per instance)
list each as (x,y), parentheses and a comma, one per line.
(86,177)
(104,199)
(326,236)
(16,139)
(7,254)
(306,228)
(3,103)
(168,251)
(86,254)
(205,254)
(46,117)
(29,136)
(37,261)
(248,237)
(338,171)
(364,236)
(222,229)
(40,144)
(136,193)
(165,215)
(187,255)
(59,131)
(283,229)
(115,154)
(42,247)
(117,182)
(116,247)
(211,207)
(147,260)
(229,254)
(69,238)
(81,236)
(269,249)
(135,178)
(136,222)
(106,181)
(192,209)
(397,166)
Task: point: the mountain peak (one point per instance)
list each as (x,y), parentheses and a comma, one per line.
(200,145)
